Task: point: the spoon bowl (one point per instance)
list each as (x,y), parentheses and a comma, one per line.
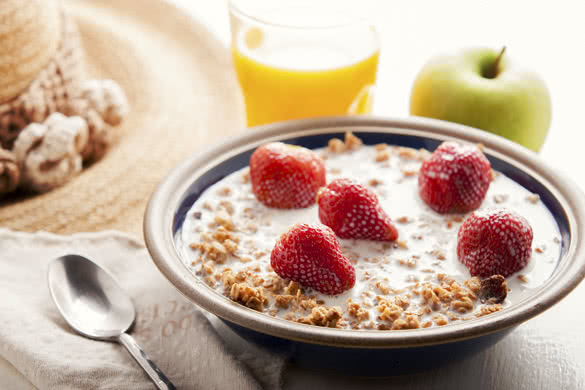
(89,298)
(94,305)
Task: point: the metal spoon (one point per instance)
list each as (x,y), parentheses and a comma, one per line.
(94,305)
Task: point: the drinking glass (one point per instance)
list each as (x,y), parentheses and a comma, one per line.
(301,59)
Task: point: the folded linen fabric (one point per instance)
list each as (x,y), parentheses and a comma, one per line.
(176,334)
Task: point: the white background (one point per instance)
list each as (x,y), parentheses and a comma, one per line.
(545,36)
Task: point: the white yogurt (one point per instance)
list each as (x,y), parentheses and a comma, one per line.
(426,232)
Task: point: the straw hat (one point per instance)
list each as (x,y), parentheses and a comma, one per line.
(183,95)
(29,34)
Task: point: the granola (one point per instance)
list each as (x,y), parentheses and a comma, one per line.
(415,282)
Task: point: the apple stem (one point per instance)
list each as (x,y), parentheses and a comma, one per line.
(495,67)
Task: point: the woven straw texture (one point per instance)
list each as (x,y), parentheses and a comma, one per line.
(50,90)
(29,34)
(183,95)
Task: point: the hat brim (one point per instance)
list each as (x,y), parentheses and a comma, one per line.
(183,95)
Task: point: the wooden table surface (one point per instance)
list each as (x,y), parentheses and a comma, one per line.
(547,352)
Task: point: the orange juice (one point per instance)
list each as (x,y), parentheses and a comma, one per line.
(302,80)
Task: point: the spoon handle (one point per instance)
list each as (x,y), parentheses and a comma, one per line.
(157,376)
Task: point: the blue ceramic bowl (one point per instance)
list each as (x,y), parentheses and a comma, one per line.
(367,352)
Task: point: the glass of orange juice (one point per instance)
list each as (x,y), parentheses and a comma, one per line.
(301,59)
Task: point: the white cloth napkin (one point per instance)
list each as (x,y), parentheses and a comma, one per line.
(176,334)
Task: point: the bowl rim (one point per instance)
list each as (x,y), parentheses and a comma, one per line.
(159,239)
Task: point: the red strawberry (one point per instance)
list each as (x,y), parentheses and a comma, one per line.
(455,178)
(310,255)
(492,242)
(353,211)
(286,176)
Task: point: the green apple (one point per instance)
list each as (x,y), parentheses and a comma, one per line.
(482,88)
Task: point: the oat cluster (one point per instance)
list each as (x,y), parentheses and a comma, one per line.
(435,302)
